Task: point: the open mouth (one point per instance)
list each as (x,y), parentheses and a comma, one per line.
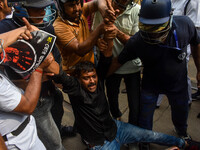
(92,86)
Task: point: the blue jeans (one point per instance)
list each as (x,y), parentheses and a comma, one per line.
(128,133)
(179,108)
(132,82)
(46,127)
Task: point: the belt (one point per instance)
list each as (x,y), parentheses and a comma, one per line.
(19,129)
(90,145)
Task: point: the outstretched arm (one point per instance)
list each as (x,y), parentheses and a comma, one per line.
(103,6)
(104,63)
(106,10)
(114,66)
(11,36)
(30,98)
(122,37)
(31,95)
(84,47)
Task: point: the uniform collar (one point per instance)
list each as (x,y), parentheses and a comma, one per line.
(128,9)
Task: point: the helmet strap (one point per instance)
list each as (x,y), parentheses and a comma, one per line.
(3,51)
(171,20)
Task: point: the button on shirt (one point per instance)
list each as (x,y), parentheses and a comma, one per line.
(91,111)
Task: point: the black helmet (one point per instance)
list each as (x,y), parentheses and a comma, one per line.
(38,3)
(21,11)
(60,6)
(155,11)
(30,3)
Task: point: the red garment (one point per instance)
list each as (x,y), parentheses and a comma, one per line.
(89,18)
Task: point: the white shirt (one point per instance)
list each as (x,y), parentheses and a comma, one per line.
(192,11)
(10,97)
(11,14)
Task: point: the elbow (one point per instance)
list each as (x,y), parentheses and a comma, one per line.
(30,105)
(25,110)
(80,53)
(82,50)
(26,106)
(30,111)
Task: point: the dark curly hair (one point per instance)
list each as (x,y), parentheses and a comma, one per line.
(82,67)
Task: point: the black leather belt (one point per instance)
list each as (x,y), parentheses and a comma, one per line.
(19,129)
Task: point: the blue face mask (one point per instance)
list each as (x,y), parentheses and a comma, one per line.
(21,11)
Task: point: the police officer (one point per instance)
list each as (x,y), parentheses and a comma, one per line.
(161,44)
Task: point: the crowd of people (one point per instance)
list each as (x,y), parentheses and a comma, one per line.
(98,43)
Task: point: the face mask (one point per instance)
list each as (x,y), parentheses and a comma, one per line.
(155,38)
(155,34)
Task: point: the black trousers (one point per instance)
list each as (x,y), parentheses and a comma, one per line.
(132,82)
(57,109)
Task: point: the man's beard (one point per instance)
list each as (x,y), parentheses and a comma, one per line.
(76,20)
(91,84)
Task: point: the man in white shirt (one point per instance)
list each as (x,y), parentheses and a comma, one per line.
(18,127)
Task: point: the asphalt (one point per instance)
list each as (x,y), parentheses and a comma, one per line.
(162,117)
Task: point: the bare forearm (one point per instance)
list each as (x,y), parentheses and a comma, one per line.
(92,7)
(114,66)
(32,91)
(106,10)
(84,47)
(102,5)
(30,98)
(108,51)
(122,37)
(11,36)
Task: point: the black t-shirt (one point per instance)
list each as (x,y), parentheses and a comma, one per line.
(91,110)
(164,69)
